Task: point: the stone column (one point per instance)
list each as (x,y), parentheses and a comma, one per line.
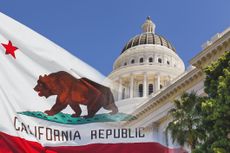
(145,86)
(157,82)
(120,89)
(170,78)
(131,90)
(155,128)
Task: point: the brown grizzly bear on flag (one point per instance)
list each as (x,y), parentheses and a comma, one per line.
(72,91)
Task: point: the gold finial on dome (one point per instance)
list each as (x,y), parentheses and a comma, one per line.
(148,26)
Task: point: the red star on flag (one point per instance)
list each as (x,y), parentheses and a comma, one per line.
(10,49)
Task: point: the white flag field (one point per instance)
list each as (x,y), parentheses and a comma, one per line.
(52,102)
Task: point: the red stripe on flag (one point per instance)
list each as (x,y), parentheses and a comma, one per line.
(11,144)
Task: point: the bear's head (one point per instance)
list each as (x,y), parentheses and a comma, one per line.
(42,87)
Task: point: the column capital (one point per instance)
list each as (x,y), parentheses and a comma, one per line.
(131,74)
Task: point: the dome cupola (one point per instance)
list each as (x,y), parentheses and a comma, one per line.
(148,26)
(148,37)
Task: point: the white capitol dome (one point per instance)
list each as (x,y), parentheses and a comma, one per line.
(147,63)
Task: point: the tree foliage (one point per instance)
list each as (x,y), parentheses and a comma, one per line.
(185,127)
(209,116)
(216,109)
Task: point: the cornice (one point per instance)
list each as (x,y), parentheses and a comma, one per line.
(207,55)
(153,68)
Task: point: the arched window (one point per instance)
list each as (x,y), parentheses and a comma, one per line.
(150,88)
(168,62)
(132,61)
(140,90)
(159,60)
(141,60)
(150,59)
(123,93)
(125,64)
(161,86)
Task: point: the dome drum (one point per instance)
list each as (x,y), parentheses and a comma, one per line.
(148,55)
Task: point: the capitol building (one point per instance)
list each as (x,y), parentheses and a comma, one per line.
(147,63)
(150,75)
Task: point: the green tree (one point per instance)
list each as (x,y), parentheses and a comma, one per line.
(186,124)
(216,109)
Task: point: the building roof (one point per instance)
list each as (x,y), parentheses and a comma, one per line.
(148,37)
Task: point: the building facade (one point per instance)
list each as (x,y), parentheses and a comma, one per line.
(149,76)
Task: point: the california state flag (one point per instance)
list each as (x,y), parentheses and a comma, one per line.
(52,102)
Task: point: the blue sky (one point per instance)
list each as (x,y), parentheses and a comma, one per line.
(96,31)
